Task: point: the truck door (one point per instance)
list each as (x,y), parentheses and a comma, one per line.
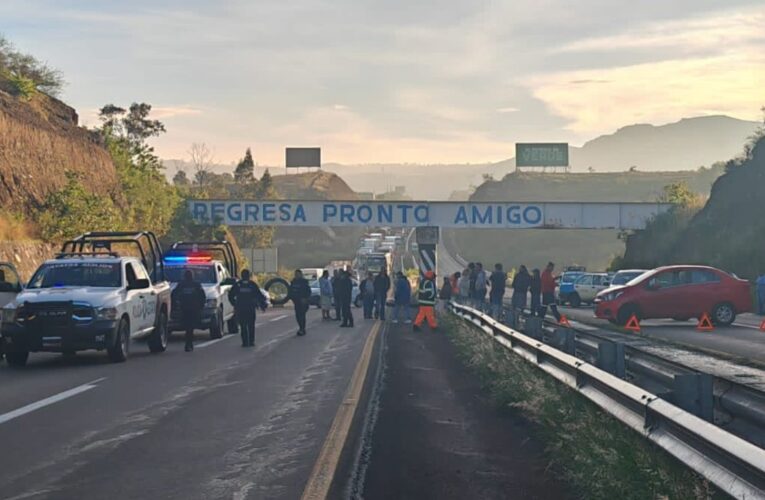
(148,296)
(10,285)
(228,309)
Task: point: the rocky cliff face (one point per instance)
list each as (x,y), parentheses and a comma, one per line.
(39,142)
(26,256)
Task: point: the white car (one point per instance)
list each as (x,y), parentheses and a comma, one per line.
(216,283)
(587,287)
(85,300)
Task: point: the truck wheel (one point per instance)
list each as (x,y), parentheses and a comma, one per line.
(216,327)
(233,326)
(277,288)
(17,358)
(575,300)
(158,339)
(723,314)
(118,352)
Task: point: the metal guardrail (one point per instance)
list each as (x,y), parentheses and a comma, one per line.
(734,465)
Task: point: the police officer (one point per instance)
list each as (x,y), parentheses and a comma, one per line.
(190,297)
(246,297)
(300,295)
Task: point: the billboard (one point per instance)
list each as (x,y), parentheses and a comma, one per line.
(549,154)
(483,215)
(303,157)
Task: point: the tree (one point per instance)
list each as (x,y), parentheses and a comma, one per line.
(26,73)
(132,128)
(180,178)
(201,160)
(680,194)
(265,189)
(245,169)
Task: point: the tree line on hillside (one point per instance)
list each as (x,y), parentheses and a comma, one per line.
(728,231)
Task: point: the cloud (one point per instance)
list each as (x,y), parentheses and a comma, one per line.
(164,112)
(340,107)
(508,109)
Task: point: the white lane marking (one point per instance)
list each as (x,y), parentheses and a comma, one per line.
(5,417)
(746,326)
(214,341)
(278,318)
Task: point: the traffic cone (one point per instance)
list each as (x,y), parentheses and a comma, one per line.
(563,321)
(633,324)
(705,324)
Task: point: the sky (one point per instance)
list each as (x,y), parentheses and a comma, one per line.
(388,81)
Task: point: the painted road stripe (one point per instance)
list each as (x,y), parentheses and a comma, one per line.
(214,341)
(5,417)
(324,469)
(278,318)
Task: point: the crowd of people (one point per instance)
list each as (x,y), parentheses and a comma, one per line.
(533,291)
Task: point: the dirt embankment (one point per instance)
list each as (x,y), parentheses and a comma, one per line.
(40,141)
(26,256)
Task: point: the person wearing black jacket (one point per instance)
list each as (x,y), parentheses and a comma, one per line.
(300,295)
(536,293)
(335,277)
(246,297)
(521,284)
(345,296)
(190,298)
(381,286)
(498,280)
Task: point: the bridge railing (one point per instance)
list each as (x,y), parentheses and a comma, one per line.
(734,465)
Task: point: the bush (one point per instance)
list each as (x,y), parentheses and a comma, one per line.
(26,73)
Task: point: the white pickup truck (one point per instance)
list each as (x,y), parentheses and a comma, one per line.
(90,297)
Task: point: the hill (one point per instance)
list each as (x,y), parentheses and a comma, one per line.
(594,249)
(40,141)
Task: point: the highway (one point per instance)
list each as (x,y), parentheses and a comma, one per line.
(221,422)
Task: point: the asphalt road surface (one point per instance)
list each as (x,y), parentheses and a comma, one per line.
(221,422)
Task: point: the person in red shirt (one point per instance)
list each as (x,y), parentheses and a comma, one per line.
(548,291)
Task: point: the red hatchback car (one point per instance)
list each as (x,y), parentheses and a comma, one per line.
(678,292)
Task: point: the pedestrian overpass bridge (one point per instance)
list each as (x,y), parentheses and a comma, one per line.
(445,214)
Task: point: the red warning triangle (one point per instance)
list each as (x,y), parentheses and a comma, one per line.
(762,325)
(563,321)
(633,324)
(705,324)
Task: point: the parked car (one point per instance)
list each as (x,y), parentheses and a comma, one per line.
(10,284)
(566,285)
(626,275)
(678,292)
(587,287)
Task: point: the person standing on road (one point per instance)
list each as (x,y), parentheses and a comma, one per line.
(246,297)
(344,289)
(325,295)
(480,287)
(521,284)
(498,281)
(190,297)
(300,295)
(536,292)
(548,292)
(381,286)
(464,287)
(333,282)
(367,292)
(454,280)
(445,295)
(402,298)
(471,287)
(426,296)
(761,294)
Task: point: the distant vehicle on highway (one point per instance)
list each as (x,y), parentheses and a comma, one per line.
(626,275)
(678,292)
(566,285)
(90,297)
(586,288)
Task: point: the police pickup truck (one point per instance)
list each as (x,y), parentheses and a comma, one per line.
(91,297)
(214,265)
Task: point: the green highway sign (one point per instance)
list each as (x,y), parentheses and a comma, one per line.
(541,154)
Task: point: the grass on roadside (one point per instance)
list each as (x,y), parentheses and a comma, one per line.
(600,457)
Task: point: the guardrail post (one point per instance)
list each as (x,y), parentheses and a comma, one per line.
(611,358)
(565,340)
(533,328)
(693,393)
(510,319)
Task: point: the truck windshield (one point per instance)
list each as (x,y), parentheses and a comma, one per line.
(93,274)
(202,274)
(376,264)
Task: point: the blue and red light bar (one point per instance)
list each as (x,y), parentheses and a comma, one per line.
(188,259)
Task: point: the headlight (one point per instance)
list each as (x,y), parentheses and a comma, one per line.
(212,303)
(9,315)
(109,313)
